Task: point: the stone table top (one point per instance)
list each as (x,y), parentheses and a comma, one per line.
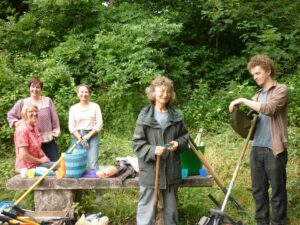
(52,183)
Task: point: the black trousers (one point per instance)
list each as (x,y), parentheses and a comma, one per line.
(51,151)
(266,170)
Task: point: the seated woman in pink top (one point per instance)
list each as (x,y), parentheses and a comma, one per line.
(48,122)
(28,142)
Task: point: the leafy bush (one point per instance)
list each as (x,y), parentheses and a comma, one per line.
(208,109)
(294,96)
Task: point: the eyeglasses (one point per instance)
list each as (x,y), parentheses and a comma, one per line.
(33,111)
(163,92)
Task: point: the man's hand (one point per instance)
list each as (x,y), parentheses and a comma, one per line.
(234,105)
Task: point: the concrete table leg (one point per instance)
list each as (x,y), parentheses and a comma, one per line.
(53,200)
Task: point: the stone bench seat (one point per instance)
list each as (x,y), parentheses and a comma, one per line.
(59,194)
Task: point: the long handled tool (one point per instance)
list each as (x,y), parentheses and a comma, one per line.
(13,216)
(156,186)
(218,180)
(198,137)
(23,212)
(8,220)
(231,221)
(219,214)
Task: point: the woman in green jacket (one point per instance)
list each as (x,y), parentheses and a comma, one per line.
(159,124)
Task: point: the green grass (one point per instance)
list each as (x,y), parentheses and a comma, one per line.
(222,151)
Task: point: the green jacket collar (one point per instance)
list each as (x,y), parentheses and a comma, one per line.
(146,116)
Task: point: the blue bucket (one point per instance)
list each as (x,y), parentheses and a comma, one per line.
(76,163)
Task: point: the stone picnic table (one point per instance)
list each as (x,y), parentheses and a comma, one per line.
(54,194)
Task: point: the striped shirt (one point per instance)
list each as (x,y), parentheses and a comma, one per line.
(85,119)
(48,122)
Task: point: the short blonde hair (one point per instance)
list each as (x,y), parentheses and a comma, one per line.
(158,82)
(25,109)
(263,61)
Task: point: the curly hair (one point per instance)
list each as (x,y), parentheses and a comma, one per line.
(158,82)
(263,61)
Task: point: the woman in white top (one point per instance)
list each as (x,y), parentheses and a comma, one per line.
(85,122)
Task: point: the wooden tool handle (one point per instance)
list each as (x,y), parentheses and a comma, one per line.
(157,168)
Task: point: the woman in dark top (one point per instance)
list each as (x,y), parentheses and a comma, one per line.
(159,124)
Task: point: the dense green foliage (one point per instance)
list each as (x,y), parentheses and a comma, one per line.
(119,46)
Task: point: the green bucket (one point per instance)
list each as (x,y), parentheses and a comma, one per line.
(190,161)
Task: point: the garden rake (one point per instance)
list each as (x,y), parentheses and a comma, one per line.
(218,215)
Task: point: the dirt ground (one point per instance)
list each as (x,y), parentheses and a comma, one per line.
(129,222)
(159,220)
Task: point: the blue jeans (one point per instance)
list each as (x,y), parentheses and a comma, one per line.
(93,150)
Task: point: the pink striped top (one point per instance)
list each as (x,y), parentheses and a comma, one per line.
(48,122)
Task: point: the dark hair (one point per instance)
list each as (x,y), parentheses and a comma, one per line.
(84,85)
(263,61)
(35,81)
(157,82)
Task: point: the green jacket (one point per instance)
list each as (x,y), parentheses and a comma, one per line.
(147,135)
